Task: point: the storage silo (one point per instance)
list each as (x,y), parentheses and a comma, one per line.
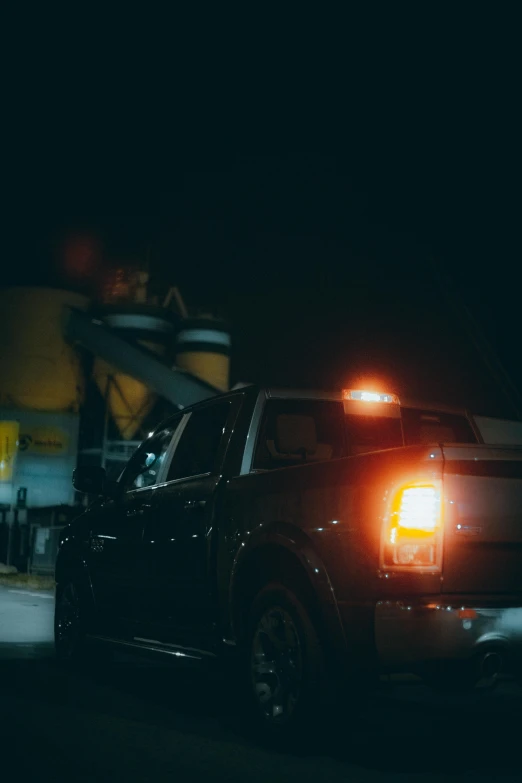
(203,349)
(152,327)
(41,387)
(40,371)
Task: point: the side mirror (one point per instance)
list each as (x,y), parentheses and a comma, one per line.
(91,479)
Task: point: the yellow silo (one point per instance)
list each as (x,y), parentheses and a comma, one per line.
(203,349)
(40,370)
(129,401)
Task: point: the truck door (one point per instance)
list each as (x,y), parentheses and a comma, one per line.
(116,539)
(180,536)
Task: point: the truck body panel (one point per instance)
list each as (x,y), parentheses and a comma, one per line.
(296,488)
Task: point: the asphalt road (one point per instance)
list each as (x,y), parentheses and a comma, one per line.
(137,722)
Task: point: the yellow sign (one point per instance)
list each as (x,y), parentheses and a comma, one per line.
(44,440)
(8,447)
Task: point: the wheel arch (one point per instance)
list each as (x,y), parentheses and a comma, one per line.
(284,553)
(70,566)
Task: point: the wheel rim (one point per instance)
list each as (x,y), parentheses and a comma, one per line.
(68,620)
(276,665)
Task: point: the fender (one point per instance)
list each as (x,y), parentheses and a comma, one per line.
(297,542)
(71,563)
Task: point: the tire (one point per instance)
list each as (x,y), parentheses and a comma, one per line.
(282,665)
(69,625)
(72,647)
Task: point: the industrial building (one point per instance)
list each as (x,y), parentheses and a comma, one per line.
(83,382)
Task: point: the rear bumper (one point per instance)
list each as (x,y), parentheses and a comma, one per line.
(412,632)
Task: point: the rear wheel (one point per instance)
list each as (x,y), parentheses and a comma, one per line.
(283,666)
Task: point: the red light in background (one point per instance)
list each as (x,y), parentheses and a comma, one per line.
(81,256)
(467,614)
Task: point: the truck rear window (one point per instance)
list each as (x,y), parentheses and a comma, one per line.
(334,433)
(425,426)
(371,433)
(327,420)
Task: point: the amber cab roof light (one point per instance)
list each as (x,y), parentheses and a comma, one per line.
(361,395)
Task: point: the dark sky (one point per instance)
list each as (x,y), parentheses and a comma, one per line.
(327,259)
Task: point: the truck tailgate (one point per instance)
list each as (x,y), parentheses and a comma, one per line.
(482,520)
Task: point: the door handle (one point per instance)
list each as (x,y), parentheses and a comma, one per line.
(190,504)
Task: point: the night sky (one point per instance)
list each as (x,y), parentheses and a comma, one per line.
(373,261)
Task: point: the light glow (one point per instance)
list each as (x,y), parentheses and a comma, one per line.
(412,535)
(361,395)
(419,509)
(467,614)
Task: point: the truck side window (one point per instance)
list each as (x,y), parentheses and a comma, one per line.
(198,448)
(144,465)
(322,417)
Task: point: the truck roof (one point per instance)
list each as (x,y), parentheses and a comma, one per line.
(317,394)
(323,394)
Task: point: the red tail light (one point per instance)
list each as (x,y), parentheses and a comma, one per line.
(412,534)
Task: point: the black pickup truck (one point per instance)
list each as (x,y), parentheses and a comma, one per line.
(314,539)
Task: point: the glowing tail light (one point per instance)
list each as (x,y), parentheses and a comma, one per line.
(412,536)
(419,509)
